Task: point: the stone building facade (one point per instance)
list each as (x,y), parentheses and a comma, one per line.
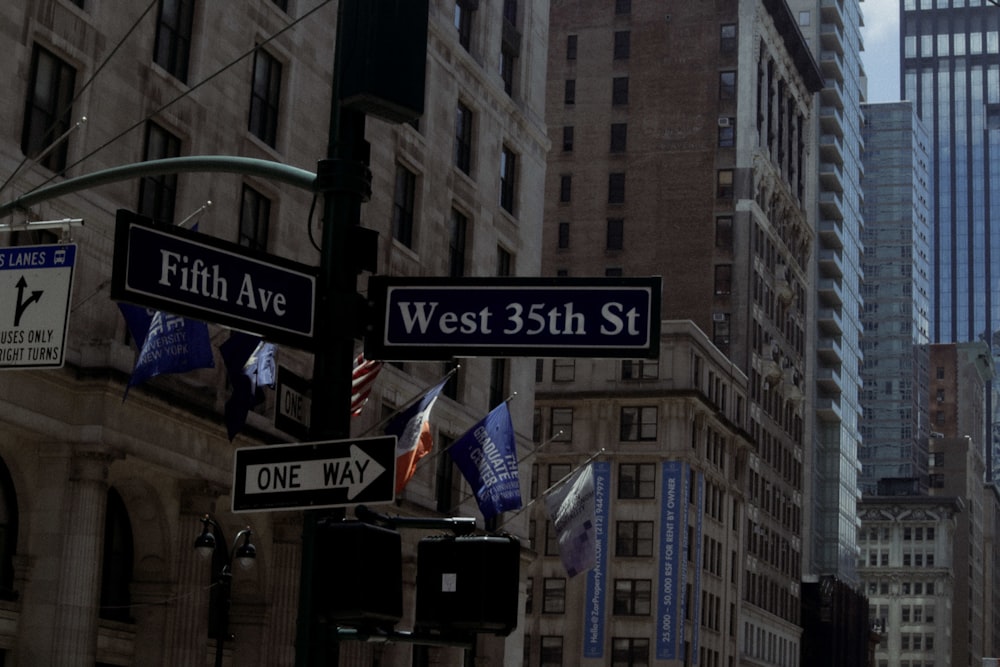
(103,497)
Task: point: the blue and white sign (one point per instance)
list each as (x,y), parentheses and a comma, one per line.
(440,318)
(183,272)
(36,283)
(673,526)
(595,605)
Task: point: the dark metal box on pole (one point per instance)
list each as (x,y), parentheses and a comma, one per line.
(468,583)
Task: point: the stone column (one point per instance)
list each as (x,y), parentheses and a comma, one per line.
(187,618)
(78,592)
(283,590)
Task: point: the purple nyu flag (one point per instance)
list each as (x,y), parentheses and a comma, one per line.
(167,343)
(487,457)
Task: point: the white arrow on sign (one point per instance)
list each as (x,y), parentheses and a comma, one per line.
(354,472)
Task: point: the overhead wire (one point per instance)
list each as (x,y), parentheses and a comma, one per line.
(84,87)
(190,90)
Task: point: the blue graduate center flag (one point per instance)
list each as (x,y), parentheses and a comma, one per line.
(487,457)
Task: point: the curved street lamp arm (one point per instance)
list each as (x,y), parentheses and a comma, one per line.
(300,178)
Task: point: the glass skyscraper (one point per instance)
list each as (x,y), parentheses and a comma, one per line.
(894,426)
(951,72)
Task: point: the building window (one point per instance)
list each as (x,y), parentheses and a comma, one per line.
(615,237)
(727,38)
(508,166)
(255,217)
(561,424)
(613,272)
(116,570)
(569,92)
(640,369)
(571,47)
(264,97)
(723,279)
(554,595)
(636,480)
(638,423)
(505,262)
(623,43)
(632,597)
(619,90)
(48,108)
(551,539)
(634,539)
(619,137)
(727,85)
(463,21)
(630,652)
(616,188)
(158,194)
(463,138)
(727,132)
(568,138)
(447,484)
(563,370)
(457,243)
(403,204)
(623,7)
(724,232)
(720,331)
(510,44)
(563,235)
(173,37)
(565,188)
(498,381)
(551,652)
(9,519)
(724,184)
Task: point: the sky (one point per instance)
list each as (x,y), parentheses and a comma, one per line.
(880,35)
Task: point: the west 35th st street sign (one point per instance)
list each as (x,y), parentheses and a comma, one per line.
(440,318)
(196,275)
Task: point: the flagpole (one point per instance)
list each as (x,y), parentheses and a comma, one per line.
(533,452)
(409,403)
(442,450)
(562,480)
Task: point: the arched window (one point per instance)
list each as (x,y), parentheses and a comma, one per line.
(8,533)
(116,570)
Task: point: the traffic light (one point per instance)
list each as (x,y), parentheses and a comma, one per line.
(468,583)
(358,574)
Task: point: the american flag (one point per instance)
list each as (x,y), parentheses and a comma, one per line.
(362,379)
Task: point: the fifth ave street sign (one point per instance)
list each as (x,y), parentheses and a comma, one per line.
(332,473)
(441,318)
(186,273)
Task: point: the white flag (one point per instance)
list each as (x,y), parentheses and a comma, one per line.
(570,506)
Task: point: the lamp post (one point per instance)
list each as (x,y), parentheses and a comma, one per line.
(244,555)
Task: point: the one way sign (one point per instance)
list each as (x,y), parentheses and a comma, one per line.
(332,473)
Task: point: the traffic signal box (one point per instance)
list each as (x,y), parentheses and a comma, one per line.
(465,585)
(358,574)
(468,583)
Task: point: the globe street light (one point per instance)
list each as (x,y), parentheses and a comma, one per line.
(244,555)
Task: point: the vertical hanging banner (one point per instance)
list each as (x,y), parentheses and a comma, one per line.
(596,600)
(36,283)
(673,505)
